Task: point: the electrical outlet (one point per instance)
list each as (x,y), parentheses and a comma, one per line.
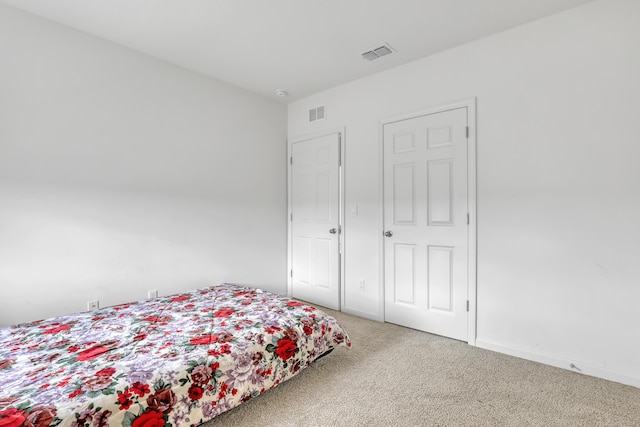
(93,305)
(152,294)
(362,284)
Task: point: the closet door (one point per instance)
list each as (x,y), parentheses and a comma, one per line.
(425,223)
(315,220)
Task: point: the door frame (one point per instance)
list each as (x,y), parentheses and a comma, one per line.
(470,104)
(290,141)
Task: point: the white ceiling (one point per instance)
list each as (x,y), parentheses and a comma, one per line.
(301,46)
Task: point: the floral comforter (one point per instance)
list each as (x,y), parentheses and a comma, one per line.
(171,361)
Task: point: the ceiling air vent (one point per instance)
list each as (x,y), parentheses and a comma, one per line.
(316,113)
(376,53)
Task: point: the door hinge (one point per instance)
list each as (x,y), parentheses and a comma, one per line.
(291,160)
(339,149)
(468,219)
(467,305)
(291,273)
(291,217)
(467,131)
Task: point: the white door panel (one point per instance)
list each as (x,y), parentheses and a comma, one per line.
(425,217)
(315,220)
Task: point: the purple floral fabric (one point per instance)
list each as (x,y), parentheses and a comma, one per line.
(171,361)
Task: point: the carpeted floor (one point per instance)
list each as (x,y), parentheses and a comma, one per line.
(394,376)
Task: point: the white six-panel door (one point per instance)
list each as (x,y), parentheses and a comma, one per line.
(315,220)
(425,222)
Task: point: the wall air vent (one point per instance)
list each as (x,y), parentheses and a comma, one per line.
(317,113)
(376,53)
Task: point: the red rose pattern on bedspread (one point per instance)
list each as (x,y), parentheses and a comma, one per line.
(172,361)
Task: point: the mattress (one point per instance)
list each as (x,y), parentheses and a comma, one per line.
(177,360)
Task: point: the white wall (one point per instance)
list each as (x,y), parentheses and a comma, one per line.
(120,173)
(558,181)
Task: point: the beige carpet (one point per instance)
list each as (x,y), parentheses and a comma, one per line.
(394,376)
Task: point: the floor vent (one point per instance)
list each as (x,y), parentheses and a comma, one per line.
(317,113)
(378,52)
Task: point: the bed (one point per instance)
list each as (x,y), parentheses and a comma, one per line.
(177,360)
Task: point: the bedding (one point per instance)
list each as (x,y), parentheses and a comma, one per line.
(170,361)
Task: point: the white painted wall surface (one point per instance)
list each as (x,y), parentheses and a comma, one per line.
(558,181)
(120,174)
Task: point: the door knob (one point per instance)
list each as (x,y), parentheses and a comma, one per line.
(333,231)
(388,233)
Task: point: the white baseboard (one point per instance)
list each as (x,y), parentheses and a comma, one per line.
(571,365)
(363,314)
